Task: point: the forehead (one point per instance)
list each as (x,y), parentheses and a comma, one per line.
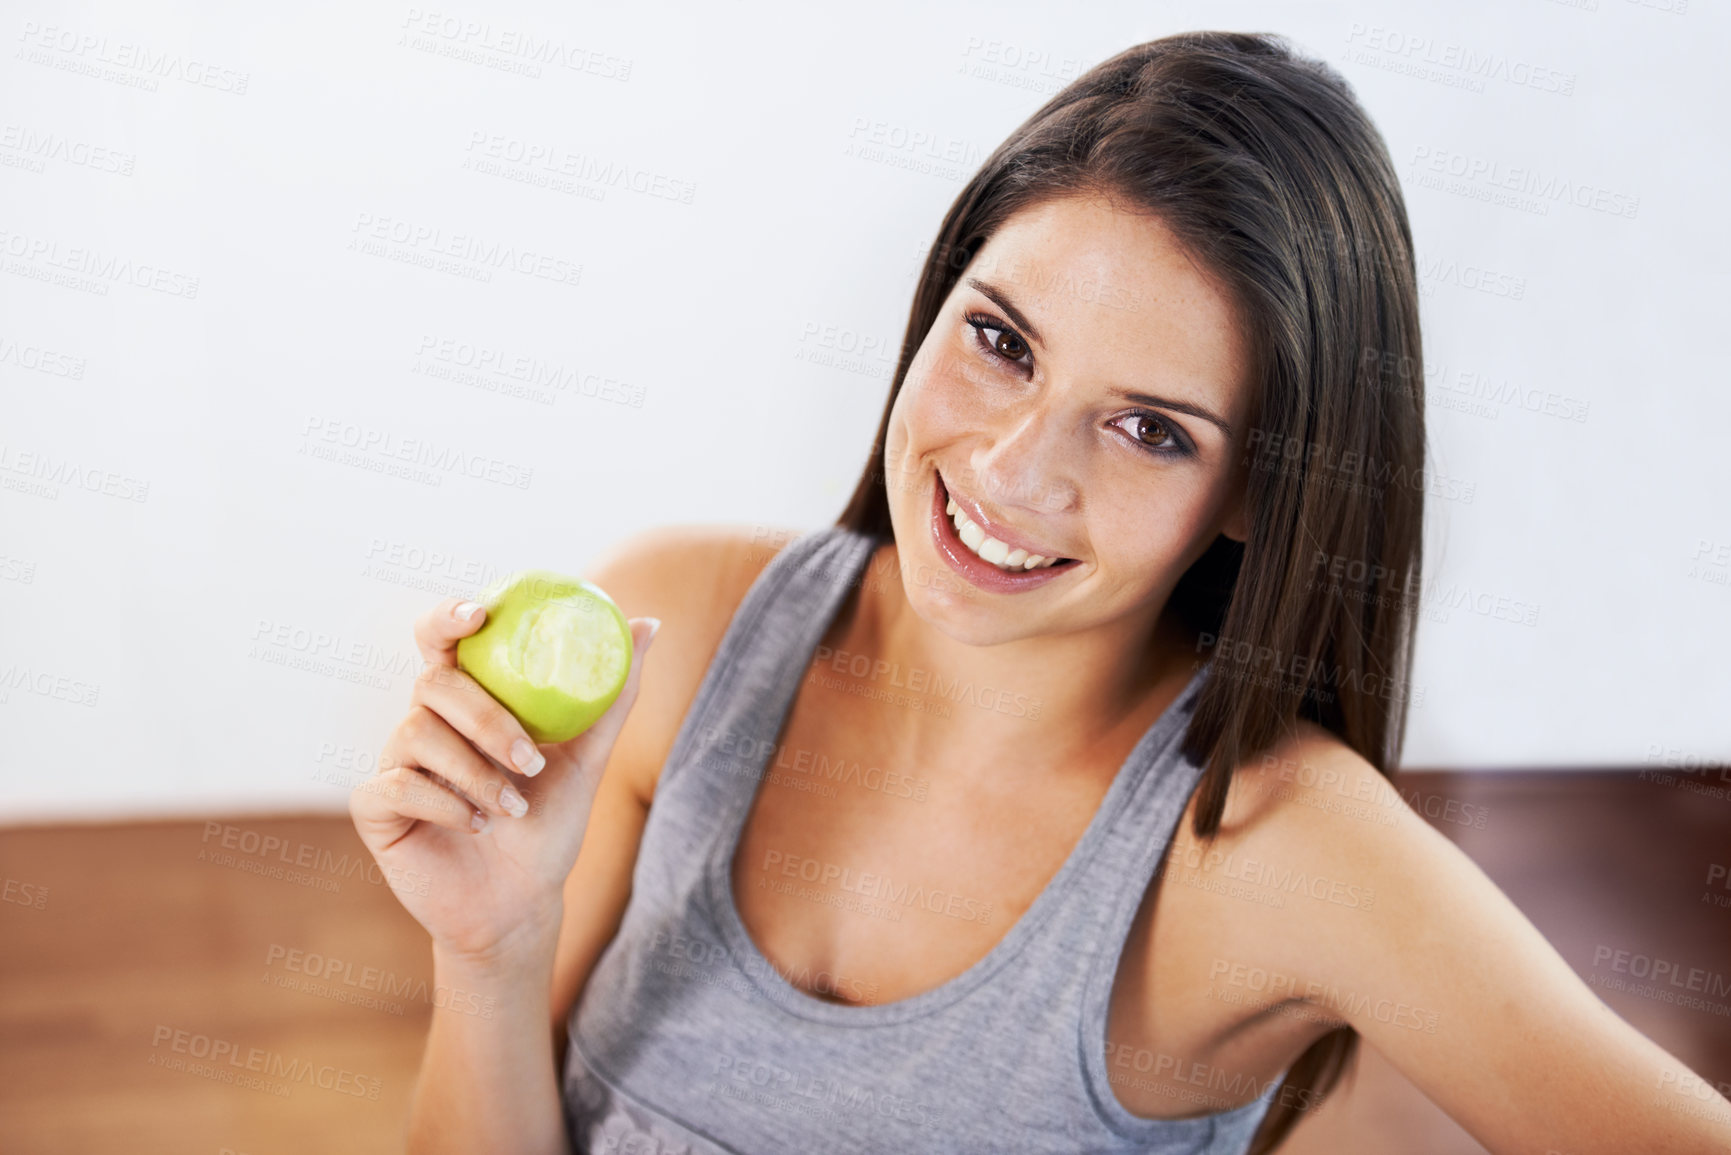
(1102,282)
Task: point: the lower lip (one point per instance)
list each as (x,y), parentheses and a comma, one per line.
(976,569)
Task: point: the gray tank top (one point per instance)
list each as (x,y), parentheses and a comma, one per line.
(688,1041)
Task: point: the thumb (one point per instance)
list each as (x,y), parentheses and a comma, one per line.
(641,637)
(643,631)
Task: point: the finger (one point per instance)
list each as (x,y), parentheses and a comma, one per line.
(428,742)
(386,807)
(438,631)
(592,747)
(477,715)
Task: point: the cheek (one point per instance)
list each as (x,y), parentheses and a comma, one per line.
(932,407)
(1142,530)
(1139,557)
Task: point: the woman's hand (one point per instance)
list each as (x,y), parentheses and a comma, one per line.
(476,852)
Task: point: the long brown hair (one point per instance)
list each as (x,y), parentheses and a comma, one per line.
(1263,164)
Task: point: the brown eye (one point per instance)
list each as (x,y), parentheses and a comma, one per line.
(997,340)
(1160,435)
(1152,432)
(1009,346)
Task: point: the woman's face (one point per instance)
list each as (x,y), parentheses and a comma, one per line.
(1081,396)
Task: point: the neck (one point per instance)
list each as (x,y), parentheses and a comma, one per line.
(1055,699)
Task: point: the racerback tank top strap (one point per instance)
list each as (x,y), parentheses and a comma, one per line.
(687,1039)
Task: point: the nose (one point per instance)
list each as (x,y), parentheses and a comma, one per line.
(1026,466)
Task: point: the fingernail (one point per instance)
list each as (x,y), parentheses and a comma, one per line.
(465,611)
(513,802)
(526,758)
(654,625)
(480,821)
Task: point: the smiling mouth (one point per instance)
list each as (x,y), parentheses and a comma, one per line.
(998,554)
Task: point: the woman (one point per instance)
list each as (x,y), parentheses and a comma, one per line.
(1010,812)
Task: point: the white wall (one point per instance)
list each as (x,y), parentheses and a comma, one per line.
(186,515)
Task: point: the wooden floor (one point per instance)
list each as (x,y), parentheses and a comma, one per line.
(145,968)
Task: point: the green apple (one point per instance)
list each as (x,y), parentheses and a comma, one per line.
(554,651)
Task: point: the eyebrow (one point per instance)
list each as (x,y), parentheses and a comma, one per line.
(1182,407)
(1002,300)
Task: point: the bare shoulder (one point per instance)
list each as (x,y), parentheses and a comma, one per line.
(1344,883)
(1298,786)
(1360,909)
(1314,851)
(693,578)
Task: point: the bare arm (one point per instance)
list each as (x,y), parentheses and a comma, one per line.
(1452,983)
(489,1078)
(479,854)
(486,1083)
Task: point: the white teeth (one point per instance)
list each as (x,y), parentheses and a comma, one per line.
(990,548)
